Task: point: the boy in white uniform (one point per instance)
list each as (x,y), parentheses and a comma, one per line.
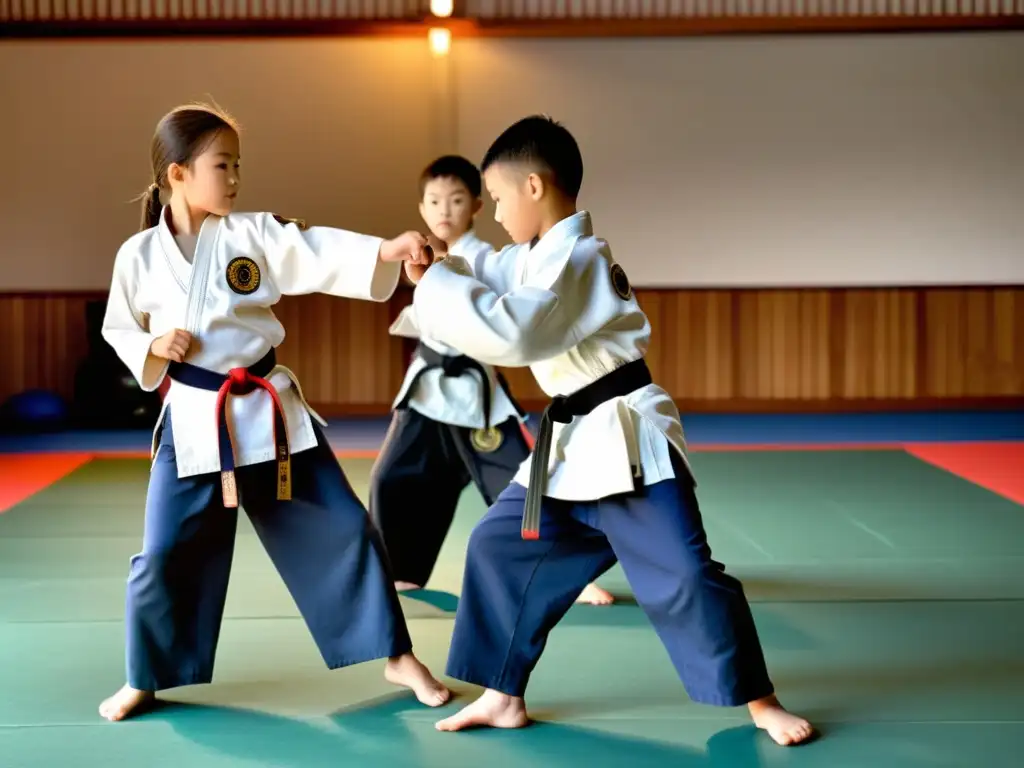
(608,480)
(455,420)
(191,299)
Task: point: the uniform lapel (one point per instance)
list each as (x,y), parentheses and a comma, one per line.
(201,265)
(195,277)
(543,262)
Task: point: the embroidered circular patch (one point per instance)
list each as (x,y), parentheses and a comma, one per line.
(243,275)
(620,282)
(486,440)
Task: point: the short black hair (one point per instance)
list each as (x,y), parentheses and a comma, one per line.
(545,144)
(453,167)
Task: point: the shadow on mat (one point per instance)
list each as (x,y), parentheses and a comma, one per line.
(443,601)
(775,632)
(399,733)
(814,589)
(625,612)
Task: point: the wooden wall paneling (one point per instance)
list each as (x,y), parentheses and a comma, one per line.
(723,349)
(1009,341)
(42,339)
(342,351)
(782,345)
(975,343)
(659,356)
(879,344)
(692,342)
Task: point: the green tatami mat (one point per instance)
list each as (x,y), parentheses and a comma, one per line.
(64,553)
(791,525)
(901,674)
(386,738)
(887,593)
(927,661)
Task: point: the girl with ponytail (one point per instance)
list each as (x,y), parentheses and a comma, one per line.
(191,299)
(150,208)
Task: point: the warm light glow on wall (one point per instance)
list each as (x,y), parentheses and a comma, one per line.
(440,41)
(442,7)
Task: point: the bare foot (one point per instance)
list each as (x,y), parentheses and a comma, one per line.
(492,709)
(409,672)
(594,595)
(406,586)
(785,728)
(125,702)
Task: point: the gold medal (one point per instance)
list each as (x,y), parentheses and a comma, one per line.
(486,440)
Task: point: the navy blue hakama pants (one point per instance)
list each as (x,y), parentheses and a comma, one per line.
(321,542)
(418,479)
(515,591)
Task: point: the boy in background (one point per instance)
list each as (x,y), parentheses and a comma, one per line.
(455,420)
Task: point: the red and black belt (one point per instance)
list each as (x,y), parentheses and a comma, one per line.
(240,381)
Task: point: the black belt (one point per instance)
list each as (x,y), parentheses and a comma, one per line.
(563,408)
(240,381)
(457,365)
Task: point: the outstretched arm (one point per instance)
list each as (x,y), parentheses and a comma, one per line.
(334,261)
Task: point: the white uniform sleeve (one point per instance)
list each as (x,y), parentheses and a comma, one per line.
(478,259)
(125,329)
(405,324)
(527,324)
(326,260)
(472,262)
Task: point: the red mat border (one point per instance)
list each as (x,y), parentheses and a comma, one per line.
(22,475)
(35,471)
(996,467)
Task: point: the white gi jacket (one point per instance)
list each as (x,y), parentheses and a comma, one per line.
(243,264)
(453,400)
(564,308)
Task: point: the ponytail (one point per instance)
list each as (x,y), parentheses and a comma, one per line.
(151,208)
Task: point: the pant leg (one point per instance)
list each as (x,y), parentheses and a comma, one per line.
(492,472)
(330,556)
(699,611)
(415,487)
(178,584)
(514,591)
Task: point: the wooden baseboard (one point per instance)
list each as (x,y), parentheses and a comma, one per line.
(749,406)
